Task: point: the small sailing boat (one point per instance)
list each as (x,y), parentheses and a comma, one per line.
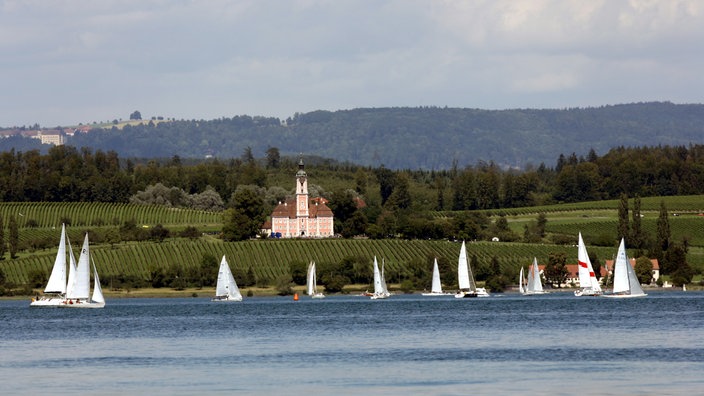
(436,286)
(534,285)
(226,289)
(588,284)
(78,285)
(311,284)
(521,282)
(468,289)
(55,290)
(625,280)
(380,290)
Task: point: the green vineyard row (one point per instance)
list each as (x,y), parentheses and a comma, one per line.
(271,258)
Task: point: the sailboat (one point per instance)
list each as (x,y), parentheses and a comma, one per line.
(534,285)
(311,285)
(436,286)
(468,289)
(380,290)
(55,290)
(78,285)
(521,282)
(625,281)
(589,285)
(226,289)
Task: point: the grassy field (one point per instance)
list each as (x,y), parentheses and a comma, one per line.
(271,258)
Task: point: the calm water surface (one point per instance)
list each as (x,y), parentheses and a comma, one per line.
(554,344)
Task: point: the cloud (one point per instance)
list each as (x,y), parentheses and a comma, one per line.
(71,61)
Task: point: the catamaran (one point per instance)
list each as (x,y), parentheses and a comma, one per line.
(534,285)
(436,286)
(311,284)
(626,283)
(588,284)
(226,289)
(78,285)
(380,290)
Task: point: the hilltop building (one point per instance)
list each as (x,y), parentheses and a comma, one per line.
(301,216)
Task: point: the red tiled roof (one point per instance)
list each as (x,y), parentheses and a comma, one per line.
(288,209)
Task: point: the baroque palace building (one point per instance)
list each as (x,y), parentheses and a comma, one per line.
(301,217)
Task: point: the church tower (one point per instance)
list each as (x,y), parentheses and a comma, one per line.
(302,198)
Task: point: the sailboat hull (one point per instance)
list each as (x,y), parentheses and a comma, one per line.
(47,302)
(226,299)
(587,293)
(317,295)
(463,294)
(623,295)
(81,304)
(435,294)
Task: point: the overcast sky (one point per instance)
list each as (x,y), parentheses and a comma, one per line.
(69,62)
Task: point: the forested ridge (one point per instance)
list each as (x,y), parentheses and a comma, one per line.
(410,138)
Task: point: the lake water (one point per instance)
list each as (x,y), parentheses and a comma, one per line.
(554,344)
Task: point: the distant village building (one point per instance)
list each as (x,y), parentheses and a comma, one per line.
(51,137)
(302,217)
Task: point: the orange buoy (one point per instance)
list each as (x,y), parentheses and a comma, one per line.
(295,296)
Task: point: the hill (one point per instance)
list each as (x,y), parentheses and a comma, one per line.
(412,138)
(271,259)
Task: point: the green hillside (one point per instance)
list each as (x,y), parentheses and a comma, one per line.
(269,259)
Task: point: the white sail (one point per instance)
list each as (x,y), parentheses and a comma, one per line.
(312,283)
(466,281)
(57,279)
(97,289)
(310,280)
(520,282)
(383,280)
(535,285)
(625,281)
(589,285)
(436,286)
(226,288)
(80,287)
(379,290)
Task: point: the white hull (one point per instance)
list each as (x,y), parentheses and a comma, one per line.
(81,304)
(623,295)
(481,292)
(534,293)
(47,302)
(226,299)
(433,294)
(587,293)
(379,296)
(318,295)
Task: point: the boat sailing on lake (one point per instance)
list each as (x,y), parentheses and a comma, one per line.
(468,289)
(78,285)
(55,290)
(380,289)
(626,283)
(588,284)
(311,283)
(436,286)
(534,285)
(226,289)
(69,282)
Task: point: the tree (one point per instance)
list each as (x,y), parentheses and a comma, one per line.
(245,218)
(623,227)
(387,180)
(159,233)
(3,247)
(663,231)
(556,271)
(136,115)
(644,270)
(637,239)
(14,237)
(273,158)
(400,198)
(299,272)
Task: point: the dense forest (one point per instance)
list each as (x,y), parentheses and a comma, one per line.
(407,138)
(67,174)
